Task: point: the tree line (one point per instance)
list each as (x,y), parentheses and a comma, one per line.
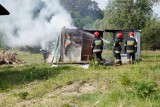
(134,15)
(118,14)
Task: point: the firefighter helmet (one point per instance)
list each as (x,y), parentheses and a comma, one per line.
(96,34)
(119,35)
(131,33)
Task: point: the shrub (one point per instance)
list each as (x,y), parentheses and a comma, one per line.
(124,80)
(145,89)
(23,95)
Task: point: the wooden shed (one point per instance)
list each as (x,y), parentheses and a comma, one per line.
(73,46)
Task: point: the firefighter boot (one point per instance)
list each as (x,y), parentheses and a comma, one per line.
(120,62)
(99,61)
(133,62)
(129,61)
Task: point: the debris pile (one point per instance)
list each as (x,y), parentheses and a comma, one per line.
(8,57)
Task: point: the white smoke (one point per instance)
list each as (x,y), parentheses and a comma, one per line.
(32,21)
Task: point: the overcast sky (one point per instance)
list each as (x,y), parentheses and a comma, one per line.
(102,4)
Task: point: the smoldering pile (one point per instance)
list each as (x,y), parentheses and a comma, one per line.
(9,57)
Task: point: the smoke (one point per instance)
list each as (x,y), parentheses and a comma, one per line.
(32,21)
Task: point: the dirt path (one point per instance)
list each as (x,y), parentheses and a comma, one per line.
(74,89)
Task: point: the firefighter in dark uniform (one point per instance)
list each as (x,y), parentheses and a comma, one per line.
(117,48)
(131,48)
(45,54)
(97,47)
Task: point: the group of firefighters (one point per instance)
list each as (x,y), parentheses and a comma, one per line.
(130,47)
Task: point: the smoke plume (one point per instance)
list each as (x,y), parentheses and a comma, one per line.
(32,21)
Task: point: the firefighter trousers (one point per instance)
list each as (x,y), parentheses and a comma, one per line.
(98,56)
(118,58)
(131,57)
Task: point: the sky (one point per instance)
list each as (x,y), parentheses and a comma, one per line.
(157,9)
(102,4)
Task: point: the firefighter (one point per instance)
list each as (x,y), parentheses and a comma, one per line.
(131,48)
(117,48)
(97,47)
(45,54)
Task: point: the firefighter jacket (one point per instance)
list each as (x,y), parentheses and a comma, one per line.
(130,45)
(117,46)
(97,45)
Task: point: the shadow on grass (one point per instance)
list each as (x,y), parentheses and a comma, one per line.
(13,76)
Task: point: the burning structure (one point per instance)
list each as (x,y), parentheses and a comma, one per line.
(74,45)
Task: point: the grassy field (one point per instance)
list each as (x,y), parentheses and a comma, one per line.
(37,85)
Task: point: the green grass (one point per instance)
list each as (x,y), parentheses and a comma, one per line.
(35,84)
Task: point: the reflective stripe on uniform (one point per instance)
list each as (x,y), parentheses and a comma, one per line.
(130,43)
(97,50)
(120,43)
(130,51)
(117,51)
(98,42)
(118,59)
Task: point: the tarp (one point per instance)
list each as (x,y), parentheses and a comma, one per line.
(54,56)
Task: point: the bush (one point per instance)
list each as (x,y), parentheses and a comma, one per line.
(23,95)
(145,89)
(150,35)
(124,80)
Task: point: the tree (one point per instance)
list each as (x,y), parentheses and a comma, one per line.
(83,12)
(80,21)
(135,14)
(126,14)
(150,34)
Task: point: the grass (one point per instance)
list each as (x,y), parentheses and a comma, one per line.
(35,84)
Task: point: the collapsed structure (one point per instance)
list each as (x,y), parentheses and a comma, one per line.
(74,45)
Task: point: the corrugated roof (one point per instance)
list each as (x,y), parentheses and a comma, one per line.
(3,11)
(120,30)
